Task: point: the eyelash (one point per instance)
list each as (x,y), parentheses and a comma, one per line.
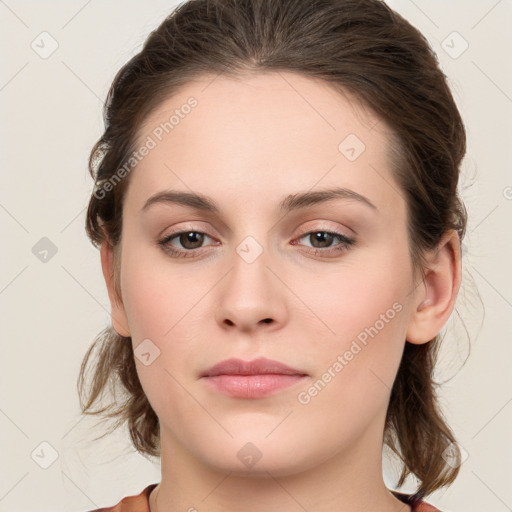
(344,243)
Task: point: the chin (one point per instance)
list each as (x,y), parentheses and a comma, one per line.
(260,457)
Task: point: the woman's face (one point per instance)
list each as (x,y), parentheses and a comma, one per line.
(323,286)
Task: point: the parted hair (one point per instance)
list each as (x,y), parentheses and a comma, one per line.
(360,47)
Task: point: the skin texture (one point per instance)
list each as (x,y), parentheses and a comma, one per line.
(248,144)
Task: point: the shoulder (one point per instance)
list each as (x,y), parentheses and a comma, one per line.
(417,505)
(135,503)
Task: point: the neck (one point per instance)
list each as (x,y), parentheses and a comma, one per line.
(350,481)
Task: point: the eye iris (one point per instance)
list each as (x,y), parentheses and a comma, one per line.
(195,238)
(325,239)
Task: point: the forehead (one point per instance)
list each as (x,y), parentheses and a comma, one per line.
(270,99)
(259,133)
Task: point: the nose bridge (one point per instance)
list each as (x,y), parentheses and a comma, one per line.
(250,275)
(251,294)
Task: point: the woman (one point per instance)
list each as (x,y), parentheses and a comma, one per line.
(276,205)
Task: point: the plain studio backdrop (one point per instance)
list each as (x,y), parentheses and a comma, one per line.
(58,61)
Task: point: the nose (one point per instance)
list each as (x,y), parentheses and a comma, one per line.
(251,296)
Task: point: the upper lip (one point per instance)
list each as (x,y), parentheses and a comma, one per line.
(258,366)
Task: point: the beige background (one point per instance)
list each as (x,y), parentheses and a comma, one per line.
(51,311)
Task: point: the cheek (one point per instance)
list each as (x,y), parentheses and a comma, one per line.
(355,368)
(167,306)
(356,297)
(155,299)
(361,322)
(159,306)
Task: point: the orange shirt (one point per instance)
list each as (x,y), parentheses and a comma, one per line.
(140,503)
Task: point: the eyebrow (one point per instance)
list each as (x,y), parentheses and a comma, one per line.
(290,203)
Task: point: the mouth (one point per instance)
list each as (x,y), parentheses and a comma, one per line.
(251,379)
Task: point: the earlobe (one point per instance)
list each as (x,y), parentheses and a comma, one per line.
(435,298)
(118,314)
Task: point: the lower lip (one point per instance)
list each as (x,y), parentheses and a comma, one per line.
(252,386)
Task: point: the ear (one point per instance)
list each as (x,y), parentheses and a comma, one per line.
(119,319)
(435,297)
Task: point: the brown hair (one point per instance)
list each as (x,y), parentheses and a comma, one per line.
(358,46)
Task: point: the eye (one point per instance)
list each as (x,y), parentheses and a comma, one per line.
(322,242)
(189,240)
